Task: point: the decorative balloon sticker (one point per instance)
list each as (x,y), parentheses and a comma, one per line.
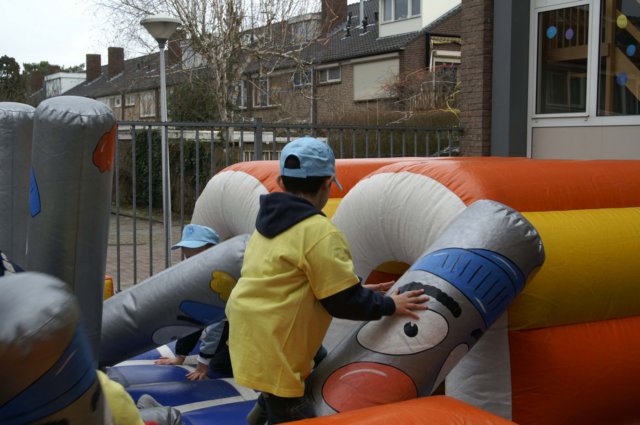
(569,34)
(631,50)
(622,22)
(552,31)
(621,78)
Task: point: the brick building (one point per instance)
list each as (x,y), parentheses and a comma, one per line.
(343,75)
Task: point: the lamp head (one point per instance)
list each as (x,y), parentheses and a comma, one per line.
(160,26)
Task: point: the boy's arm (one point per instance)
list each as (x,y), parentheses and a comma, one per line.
(186,344)
(358,303)
(213,336)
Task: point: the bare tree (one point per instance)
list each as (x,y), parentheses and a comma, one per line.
(225,36)
(425,91)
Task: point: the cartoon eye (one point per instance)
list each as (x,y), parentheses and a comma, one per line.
(396,336)
(410,329)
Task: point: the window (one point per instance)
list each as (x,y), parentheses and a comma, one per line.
(117,101)
(301,78)
(371,79)
(130,100)
(267,155)
(400,9)
(587,58)
(329,75)
(619,64)
(563,36)
(239,95)
(148,104)
(261,92)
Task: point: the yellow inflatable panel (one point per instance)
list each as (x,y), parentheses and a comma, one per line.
(591,272)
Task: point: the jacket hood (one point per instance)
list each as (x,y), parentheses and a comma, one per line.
(279,211)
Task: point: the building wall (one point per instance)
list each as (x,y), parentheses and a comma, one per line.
(286,103)
(604,123)
(509,98)
(476,76)
(589,142)
(413,57)
(60,82)
(335,102)
(128,107)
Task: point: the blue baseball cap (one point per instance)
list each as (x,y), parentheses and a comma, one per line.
(316,159)
(196,236)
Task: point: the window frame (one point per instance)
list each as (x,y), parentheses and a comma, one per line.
(144,102)
(130,100)
(258,92)
(304,79)
(572,119)
(391,9)
(241,99)
(325,72)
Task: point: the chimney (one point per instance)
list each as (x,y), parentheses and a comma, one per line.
(93,66)
(333,13)
(174,50)
(116,61)
(37,81)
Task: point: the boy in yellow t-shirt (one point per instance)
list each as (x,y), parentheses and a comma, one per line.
(297,274)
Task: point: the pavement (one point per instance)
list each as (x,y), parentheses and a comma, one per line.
(137,250)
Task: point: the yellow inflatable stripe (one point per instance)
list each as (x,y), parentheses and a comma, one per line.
(591,272)
(331,207)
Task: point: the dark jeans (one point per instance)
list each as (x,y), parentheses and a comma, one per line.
(271,409)
(283,409)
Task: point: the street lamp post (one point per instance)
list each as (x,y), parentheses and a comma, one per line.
(161,27)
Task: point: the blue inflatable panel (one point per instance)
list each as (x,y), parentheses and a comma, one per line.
(146,374)
(185,392)
(226,414)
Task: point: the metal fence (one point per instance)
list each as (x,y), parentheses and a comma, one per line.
(137,245)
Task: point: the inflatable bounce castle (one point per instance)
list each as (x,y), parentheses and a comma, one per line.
(531,268)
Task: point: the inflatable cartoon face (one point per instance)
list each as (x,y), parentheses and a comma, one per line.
(471,274)
(399,358)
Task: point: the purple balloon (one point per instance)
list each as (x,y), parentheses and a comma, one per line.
(569,34)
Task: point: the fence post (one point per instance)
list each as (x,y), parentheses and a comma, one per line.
(257,139)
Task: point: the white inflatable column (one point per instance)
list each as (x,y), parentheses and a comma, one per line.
(67,236)
(16,129)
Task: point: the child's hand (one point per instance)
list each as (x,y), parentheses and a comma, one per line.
(408,302)
(199,374)
(379,287)
(178,360)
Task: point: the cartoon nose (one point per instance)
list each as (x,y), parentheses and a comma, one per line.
(365,384)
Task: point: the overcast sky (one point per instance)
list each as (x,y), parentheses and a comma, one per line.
(61,32)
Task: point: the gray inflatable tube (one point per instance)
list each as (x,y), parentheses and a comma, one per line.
(171,304)
(16,130)
(471,273)
(47,369)
(70,199)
